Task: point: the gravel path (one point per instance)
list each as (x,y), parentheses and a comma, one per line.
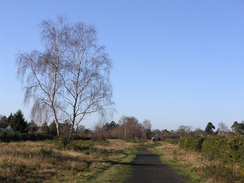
(148,168)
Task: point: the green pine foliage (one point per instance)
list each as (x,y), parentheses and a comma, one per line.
(18,122)
(209,128)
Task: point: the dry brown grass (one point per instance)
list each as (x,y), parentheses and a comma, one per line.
(116,145)
(187,158)
(42,162)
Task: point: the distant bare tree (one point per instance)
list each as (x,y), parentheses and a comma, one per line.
(223,129)
(198,132)
(184,130)
(98,129)
(71,77)
(165,133)
(130,126)
(146,124)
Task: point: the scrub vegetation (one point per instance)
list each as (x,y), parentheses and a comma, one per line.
(214,159)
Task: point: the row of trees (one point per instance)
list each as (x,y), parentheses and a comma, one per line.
(222,130)
(126,128)
(19,125)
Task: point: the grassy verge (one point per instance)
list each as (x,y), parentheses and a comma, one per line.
(173,156)
(117,172)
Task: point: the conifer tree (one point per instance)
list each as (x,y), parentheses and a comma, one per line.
(209,128)
(18,122)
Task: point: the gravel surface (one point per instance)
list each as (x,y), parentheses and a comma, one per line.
(148,168)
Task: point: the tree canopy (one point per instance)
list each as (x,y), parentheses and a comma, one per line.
(70,77)
(238,128)
(18,122)
(209,128)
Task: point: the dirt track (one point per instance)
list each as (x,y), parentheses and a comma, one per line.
(147,168)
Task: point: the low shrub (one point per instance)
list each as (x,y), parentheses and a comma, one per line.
(223,157)
(221,172)
(229,150)
(64,140)
(10,136)
(100,141)
(81,145)
(172,140)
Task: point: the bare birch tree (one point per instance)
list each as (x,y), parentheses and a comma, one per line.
(130,127)
(87,85)
(71,77)
(223,129)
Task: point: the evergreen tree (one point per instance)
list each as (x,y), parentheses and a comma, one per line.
(10,117)
(4,119)
(209,128)
(18,122)
(238,128)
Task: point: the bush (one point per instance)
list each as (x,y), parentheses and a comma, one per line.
(172,140)
(214,147)
(4,136)
(229,150)
(81,145)
(221,172)
(191,143)
(87,145)
(225,155)
(7,136)
(64,140)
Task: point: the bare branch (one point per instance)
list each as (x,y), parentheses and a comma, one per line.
(71,77)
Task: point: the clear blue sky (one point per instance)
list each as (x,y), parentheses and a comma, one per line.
(175,62)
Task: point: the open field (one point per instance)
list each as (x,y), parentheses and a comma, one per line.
(50,161)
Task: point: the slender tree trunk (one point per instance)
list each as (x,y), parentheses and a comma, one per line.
(125,131)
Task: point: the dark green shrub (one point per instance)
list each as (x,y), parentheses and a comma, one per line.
(81,145)
(64,140)
(4,136)
(7,136)
(191,143)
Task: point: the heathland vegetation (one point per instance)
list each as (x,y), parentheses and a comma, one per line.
(53,161)
(214,158)
(32,152)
